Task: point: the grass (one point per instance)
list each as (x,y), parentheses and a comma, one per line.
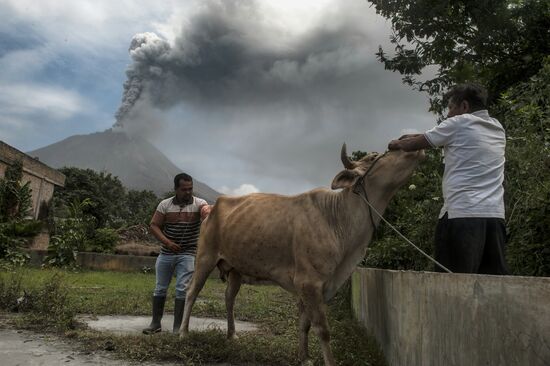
(57,295)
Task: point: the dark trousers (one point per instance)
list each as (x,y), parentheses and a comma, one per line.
(471,245)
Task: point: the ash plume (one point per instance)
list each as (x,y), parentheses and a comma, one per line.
(251,86)
(231,55)
(147,51)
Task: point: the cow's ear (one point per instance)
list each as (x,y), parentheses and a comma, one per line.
(346,178)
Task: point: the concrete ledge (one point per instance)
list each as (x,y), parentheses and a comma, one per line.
(101,261)
(422,318)
(111,262)
(115,262)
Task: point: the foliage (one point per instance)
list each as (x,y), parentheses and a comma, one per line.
(496,42)
(140,206)
(13,236)
(505,45)
(104,192)
(15,197)
(413,211)
(70,235)
(111,205)
(103,240)
(525,111)
(108,206)
(45,306)
(15,204)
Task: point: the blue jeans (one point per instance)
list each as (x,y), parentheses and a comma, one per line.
(183,265)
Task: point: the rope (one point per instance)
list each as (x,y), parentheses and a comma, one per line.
(403,236)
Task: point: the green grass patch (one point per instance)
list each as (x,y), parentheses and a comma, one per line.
(57,295)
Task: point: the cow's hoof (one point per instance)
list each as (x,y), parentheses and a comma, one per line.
(307,362)
(232,337)
(184,335)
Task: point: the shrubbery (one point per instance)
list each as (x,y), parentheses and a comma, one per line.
(110,204)
(413,211)
(45,305)
(89,210)
(525,111)
(15,203)
(70,235)
(103,240)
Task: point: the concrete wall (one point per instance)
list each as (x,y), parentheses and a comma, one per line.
(109,262)
(101,261)
(455,319)
(42,178)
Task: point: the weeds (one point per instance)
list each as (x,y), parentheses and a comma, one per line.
(44,307)
(49,299)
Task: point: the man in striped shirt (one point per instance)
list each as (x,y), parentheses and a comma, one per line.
(176,224)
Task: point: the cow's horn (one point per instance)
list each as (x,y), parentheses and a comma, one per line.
(348,164)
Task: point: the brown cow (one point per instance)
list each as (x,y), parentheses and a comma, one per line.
(308,244)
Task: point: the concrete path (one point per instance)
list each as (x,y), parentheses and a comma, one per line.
(22,348)
(127,324)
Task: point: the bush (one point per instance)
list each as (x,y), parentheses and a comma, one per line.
(111,204)
(15,197)
(44,306)
(26,228)
(103,241)
(525,111)
(414,212)
(15,203)
(70,236)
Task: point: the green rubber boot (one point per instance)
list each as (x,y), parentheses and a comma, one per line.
(158,310)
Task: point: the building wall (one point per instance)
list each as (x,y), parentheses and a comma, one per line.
(433,319)
(42,178)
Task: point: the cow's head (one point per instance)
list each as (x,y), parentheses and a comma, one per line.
(387,172)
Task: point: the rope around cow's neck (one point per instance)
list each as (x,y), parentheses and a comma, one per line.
(371,209)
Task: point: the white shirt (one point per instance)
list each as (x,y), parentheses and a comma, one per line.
(474,164)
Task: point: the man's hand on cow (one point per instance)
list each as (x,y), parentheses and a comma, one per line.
(205,211)
(409,143)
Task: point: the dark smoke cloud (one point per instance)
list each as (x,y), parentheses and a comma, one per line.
(271,105)
(147,51)
(229,54)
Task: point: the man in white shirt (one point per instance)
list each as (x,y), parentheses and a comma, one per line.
(470,235)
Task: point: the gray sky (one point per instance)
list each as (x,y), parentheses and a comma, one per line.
(244,95)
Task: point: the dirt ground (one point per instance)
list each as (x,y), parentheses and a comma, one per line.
(26,348)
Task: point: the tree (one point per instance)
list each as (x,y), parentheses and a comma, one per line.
(498,43)
(505,46)
(105,191)
(140,206)
(526,112)
(109,203)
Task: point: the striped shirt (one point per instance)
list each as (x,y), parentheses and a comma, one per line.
(181,224)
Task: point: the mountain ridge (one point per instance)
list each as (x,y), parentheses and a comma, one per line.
(135,161)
